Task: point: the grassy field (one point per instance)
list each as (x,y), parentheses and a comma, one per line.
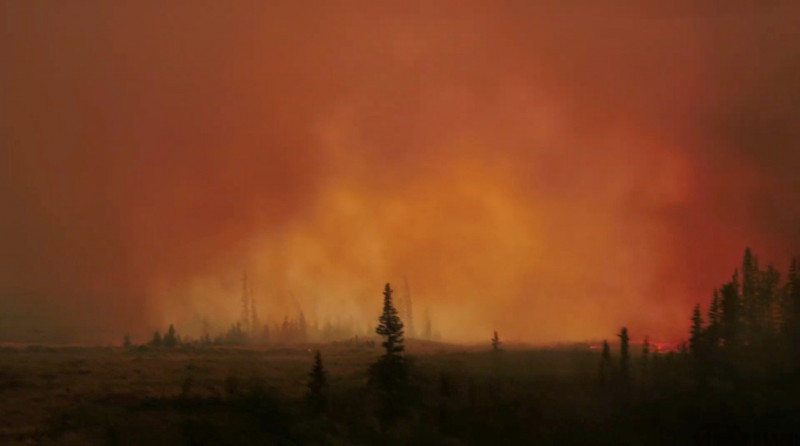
(458,395)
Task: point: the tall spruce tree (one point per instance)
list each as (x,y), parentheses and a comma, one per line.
(390,373)
(712,334)
(624,359)
(171,338)
(644,361)
(317,379)
(731,316)
(749,297)
(696,334)
(768,284)
(390,327)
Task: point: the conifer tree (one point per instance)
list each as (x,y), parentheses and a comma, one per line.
(645,358)
(156,342)
(316,386)
(390,373)
(496,342)
(730,321)
(171,338)
(769,281)
(606,351)
(749,298)
(696,333)
(390,327)
(712,334)
(605,361)
(624,357)
(791,313)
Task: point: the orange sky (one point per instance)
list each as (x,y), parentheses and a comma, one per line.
(551,171)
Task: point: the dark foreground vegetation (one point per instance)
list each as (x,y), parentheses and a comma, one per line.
(734,381)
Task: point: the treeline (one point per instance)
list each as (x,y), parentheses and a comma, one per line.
(752,323)
(290,331)
(751,327)
(734,380)
(249,330)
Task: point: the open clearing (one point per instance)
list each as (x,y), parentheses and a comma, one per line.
(77,395)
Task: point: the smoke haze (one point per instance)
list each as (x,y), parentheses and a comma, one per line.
(550,171)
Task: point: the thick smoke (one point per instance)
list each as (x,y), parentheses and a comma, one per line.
(550,171)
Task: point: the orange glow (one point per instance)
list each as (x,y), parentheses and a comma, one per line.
(550,173)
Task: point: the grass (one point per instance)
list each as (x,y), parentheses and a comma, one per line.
(458,395)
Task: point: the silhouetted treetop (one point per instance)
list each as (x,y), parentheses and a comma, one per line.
(624,353)
(696,333)
(390,326)
(316,386)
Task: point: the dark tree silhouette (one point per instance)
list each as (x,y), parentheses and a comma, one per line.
(698,346)
(713,331)
(157,341)
(390,373)
(749,298)
(390,327)
(767,307)
(496,342)
(791,314)
(317,378)
(171,338)
(645,359)
(605,361)
(624,359)
(126,340)
(731,320)
(758,301)
(696,333)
